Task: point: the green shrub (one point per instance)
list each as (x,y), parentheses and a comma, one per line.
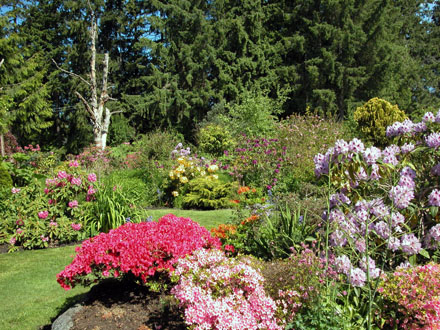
(214,140)
(120,130)
(157,145)
(373,118)
(302,137)
(208,193)
(5,177)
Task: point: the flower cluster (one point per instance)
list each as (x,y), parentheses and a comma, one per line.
(141,249)
(416,292)
(217,292)
(223,231)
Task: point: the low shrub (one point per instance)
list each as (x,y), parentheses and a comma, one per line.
(214,140)
(217,292)
(415,294)
(141,250)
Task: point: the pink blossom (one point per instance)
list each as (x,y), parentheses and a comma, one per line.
(91,177)
(74,163)
(15,190)
(53,224)
(62,175)
(73,204)
(43,214)
(76,181)
(76,226)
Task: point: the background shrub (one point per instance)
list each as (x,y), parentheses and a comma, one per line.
(374,117)
(5,177)
(214,140)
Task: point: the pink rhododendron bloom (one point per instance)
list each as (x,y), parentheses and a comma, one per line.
(76,226)
(74,163)
(44,238)
(91,190)
(53,224)
(43,214)
(91,177)
(76,181)
(73,204)
(62,175)
(12,241)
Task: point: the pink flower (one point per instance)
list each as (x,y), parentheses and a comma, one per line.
(91,191)
(73,204)
(76,181)
(19,231)
(15,190)
(73,163)
(43,214)
(91,177)
(53,224)
(76,226)
(62,175)
(44,238)
(12,241)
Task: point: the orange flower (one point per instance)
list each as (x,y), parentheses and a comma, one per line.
(243,189)
(235,201)
(250,219)
(224,230)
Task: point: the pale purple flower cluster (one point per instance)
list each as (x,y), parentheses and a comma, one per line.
(372,155)
(410,244)
(434,198)
(433,140)
(428,117)
(343,264)
(393,243)
(401,196)
(374,272)
(400,128)
(390,154)
(407,148)
(179,151)
(356,146)
(338,198)
(382,229)
(432,240)
(357,277)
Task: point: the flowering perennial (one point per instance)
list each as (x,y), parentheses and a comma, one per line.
(141,249)
(217,292)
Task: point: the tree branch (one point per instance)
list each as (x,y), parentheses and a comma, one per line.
(86,104)
(1,62)
(115,112)
(71,73)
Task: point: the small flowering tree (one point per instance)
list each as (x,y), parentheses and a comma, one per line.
(385,209)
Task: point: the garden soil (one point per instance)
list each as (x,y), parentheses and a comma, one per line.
(113,304)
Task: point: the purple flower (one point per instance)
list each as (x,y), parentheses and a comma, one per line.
(374,272)
(401,196)
(408,171)
(371,155)
(407,148)
(397,219)
(420,127)
(433,238)
(410,244)
(337,199)
(428,117)
(357,277)
(382,229)
(433,140)
(343,264)
(407,181)
(341,147)
(356,146)
(375,175)
(393,244)
(360,245)
(434,198)
(337,238)
(436,170)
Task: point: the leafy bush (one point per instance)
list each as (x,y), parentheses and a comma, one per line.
(415,293)
(95,159)
(120,130)
(302,137)
(214,140)
(374,117)
(208,193)
(37,217)
(217,292)
(5,177)
(157,145)
(141,249)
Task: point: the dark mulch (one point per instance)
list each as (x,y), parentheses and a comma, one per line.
(113,304)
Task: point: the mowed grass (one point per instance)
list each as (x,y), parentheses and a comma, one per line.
(208,219)
(29,294)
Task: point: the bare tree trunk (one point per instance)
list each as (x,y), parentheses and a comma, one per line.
(99,114)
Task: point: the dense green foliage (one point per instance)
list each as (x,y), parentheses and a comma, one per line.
(375,116)
(174,62)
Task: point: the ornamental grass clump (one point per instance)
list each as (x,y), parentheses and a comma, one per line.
(137,249)
(217,292)
(415,294)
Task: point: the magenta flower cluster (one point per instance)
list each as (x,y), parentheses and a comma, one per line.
(217,292)
(141,249)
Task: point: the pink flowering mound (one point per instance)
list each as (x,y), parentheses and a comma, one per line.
(217,292)
(416,292)
(140,249)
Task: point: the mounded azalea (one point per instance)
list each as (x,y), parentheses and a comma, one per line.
(141,249)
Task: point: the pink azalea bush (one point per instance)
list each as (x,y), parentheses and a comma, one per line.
(139,249)
(217,292)
(416,293)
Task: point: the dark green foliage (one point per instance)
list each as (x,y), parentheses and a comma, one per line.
(120,131)
(374,117)
(208,193)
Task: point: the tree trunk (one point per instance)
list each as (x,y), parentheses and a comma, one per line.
(2,145)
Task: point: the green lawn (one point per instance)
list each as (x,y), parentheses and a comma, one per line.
(29,294)
(208,219)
